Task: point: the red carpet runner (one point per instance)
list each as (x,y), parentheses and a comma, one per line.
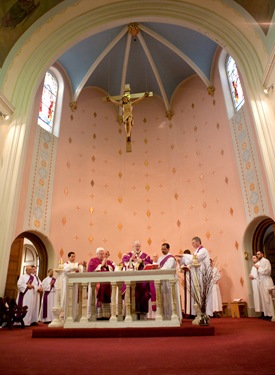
(238,347)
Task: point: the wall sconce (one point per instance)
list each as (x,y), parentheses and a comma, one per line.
(246,255)
(267,89)
(3,116)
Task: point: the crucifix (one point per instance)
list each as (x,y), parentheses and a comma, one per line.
(126,103)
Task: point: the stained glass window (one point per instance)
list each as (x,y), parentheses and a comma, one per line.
(48,103)
(234,83)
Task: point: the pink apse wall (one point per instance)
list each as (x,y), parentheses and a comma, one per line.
(180,180)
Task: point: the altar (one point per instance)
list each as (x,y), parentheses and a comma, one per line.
(80,283)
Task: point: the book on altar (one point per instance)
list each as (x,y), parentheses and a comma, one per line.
(151,267)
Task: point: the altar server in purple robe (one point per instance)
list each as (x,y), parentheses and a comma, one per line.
(37,297)
(101,263)
(26,294)
(48,285)
(137,259)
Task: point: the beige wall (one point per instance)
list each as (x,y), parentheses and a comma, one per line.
(179,181)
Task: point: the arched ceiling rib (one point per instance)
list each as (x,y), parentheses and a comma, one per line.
(155,71)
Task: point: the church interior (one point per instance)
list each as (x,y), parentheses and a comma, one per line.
(200,157)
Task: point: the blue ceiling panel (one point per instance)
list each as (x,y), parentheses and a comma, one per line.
(78,59)
(108,73)
(198,47)
(171,68)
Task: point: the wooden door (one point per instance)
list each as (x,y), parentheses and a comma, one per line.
(14,268)
(269,249)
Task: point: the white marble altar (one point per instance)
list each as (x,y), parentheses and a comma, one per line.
(87,280)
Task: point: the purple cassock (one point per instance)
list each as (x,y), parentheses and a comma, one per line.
(104,291)
(143,290)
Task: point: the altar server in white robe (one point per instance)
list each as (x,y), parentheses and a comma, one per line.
(255,286)
(26,294)
(37,297)
(216,293)
(48,285)
(71,266)
(265,282)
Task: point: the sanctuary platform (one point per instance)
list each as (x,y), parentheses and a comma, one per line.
(186,329)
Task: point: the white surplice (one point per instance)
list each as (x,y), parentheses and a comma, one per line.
(255,289)
(265,282)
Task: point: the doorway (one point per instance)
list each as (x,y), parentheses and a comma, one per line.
(264,239)
(26,249)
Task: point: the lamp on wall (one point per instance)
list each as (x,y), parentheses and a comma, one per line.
(267,89)
(3,116)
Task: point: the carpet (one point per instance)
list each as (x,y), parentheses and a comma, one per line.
(239,347)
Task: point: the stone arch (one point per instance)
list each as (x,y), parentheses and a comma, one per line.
(255,237)
(45,253)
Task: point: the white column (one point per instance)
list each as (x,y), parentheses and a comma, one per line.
(133,300)
(159,313)
(57,309)
(83,309)
(128,317)
(113,317)
(173,302)
(69,304)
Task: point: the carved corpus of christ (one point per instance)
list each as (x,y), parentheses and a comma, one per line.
(126,103)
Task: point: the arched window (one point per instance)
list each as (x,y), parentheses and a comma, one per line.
(48,102)
(51,101)
(234,83)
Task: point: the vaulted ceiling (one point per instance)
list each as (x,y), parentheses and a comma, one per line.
(148,56)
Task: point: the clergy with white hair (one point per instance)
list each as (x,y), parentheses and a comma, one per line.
(101,263)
